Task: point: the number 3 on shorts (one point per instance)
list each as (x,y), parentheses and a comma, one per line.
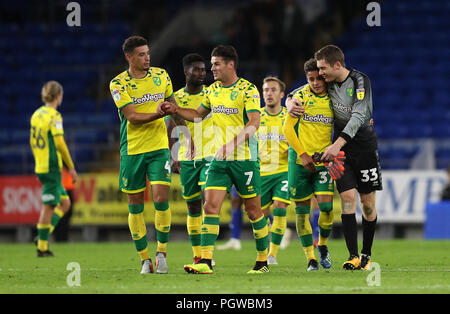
(250,176)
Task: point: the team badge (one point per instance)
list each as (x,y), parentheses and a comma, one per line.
(234,95)
(350,92)
(157,81)
(360,93)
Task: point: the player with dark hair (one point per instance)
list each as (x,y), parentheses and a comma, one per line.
(351,96)
(144,150)
(235,107)
(307,135)
(193,169)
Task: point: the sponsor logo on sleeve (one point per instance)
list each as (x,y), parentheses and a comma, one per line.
(360,93)
(116,94)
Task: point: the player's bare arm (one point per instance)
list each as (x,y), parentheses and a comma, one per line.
(134,117)
(294,107)
(333,150)
(248,131)
(188,114)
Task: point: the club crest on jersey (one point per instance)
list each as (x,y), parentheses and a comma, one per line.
(350,92)
(360,93)
(234,95)
(157,81)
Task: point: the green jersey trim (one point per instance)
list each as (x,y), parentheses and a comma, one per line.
(232,84)
(274,115)
(128,103)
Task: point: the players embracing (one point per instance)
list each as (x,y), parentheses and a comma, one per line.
(351,96)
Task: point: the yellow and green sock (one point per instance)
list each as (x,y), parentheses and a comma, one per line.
(277,230)
(194,228)
(304,230)
(261,235)
(163,220)
(326,218)
(209,234)
(138,229)
(43,231)
(57,215)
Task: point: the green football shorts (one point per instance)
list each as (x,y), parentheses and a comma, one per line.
(244,174)
(52,188)
(274,187)
(135,169)
(304,184)
(193,178)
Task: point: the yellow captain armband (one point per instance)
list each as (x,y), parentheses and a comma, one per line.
(61,146)
(291,136)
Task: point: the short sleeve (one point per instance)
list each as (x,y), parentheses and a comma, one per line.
(56,125)
(169,88)
(252,101)
(205,101)
(119,94)
(299,96)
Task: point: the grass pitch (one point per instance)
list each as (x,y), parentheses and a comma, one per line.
(406,266)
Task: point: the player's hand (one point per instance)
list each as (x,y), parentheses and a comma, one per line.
(190,154)
(74,175)
(308,162)
(165,108)
(175,166)
(330,153)
(295,107)
(224,151)
(336,167)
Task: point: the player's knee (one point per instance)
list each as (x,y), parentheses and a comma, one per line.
(160,198)
(195,207)
(369,210)
(326,206)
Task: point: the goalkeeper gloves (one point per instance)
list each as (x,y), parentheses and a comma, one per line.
(335,167)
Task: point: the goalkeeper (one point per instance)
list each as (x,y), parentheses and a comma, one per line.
(307,135)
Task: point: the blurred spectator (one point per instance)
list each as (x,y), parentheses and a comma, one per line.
(445,196)
(61,232)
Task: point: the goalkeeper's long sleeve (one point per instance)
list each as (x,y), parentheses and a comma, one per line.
(291,136)
(61,146)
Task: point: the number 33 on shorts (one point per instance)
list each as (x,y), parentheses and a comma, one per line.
(369,175)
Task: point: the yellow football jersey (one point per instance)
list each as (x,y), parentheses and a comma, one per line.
(229,106)
(202,132)
(46,123)
(315,127)
(145,93)
(273,145)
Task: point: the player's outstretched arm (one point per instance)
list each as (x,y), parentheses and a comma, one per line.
(333,150)
(137,117)
(192,115)
(62,148)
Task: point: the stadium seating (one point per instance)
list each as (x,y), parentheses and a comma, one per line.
(407,62)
